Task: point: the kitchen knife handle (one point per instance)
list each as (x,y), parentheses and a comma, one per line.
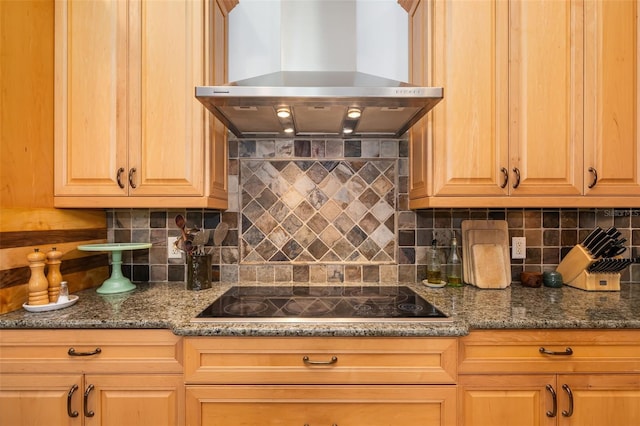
(568,413)
(554,399)
(70,412)
(120,171)
(567,351)
(132,173)
(505,174)
(517,182)
(308,361)
(594,172)
(72,352)
(88,413)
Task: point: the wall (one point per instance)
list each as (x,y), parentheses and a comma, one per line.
(27,217)
(283,229)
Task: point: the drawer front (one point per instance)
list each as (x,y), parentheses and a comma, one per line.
(65,351)
(334,360)
(321,405)
(552,351)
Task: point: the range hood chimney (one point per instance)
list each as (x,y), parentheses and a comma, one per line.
(319,92)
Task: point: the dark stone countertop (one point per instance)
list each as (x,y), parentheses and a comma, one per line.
(171,306)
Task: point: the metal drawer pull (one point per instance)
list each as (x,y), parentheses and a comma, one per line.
(567,351)
(505,173)
(594,172)
(132,172)
(517,182)
(567,389)
(71,413)
(87,413)
(72,352)
(307,361)
(120,171)
(554,409)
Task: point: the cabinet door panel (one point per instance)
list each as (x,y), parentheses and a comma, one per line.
(517,400)
(470,126)
(91,97)
(320,405)
(29,399)
(601,400)
(546,95)
(166,122)
(612,102)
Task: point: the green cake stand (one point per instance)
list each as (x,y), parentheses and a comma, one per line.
(117,283)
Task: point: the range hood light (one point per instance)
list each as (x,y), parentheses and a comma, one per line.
(354,113)
(284,113)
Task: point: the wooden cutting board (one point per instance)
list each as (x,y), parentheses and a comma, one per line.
(488,266)
(484,232)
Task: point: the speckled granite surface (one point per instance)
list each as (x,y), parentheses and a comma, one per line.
(171,306)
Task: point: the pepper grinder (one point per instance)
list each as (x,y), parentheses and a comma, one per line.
(38,285)
(54,277)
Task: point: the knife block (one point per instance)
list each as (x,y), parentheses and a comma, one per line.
(597,281)
(574,263)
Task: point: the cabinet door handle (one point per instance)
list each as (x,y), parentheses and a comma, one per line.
(554,399)
(307,361)
(132,173)
(505,174)
(72,352)
(87,413)
(517,182)
(567,389)
(118,175)
(594,172)
(567,351)
(71,413)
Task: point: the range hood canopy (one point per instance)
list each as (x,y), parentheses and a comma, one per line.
(289,104)
(320,90)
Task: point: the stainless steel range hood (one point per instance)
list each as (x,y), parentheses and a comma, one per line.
(333,99)
(318,104)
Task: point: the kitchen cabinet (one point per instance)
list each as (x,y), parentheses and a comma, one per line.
(373,381)
(589,378)
(512,128)
(128,129)
(116,377)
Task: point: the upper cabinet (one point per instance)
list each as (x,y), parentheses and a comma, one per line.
(520,95)
(128,129)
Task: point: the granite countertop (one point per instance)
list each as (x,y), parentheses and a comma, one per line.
(171,306)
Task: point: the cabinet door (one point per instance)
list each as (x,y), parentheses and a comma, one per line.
(321,405)
(599,400)
(546,97)
(612,98)
(91,98)
(29,399)
(506,400)
(470,125)
(165,120)
(141,400)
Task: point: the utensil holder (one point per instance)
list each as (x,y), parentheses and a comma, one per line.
(198,271)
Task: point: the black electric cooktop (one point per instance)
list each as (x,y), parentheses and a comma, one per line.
(314,303)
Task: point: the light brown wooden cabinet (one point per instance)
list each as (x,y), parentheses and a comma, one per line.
(128,129)
(529,104)
(589,378)
(117,377)
(273,381)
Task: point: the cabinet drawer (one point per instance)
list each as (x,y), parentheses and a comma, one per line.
(321,405)
(506,351)
(47,351)
(335,360)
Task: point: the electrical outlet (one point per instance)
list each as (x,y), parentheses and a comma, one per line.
(172,251)
(518,247)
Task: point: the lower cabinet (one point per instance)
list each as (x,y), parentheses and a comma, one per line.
(91,377)
(317,381)
(531,378)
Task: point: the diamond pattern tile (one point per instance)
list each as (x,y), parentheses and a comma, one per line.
(308,212)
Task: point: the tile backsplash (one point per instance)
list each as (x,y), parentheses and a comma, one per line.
(337,211)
